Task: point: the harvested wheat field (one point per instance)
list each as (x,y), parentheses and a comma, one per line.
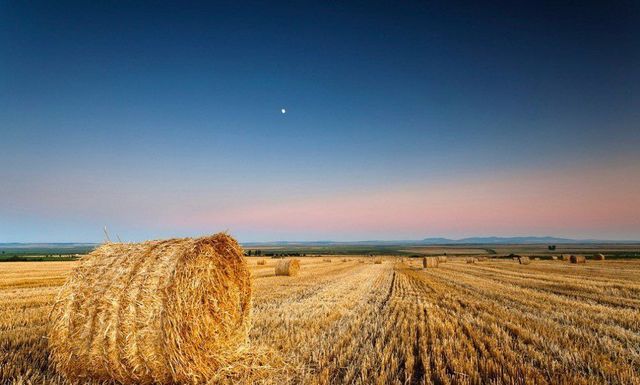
(393,323)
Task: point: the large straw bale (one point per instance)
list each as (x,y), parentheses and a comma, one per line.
(524,260)
(578,259)
(171,311)
(429,262)
(290,267)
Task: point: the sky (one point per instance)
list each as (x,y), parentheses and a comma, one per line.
(404,120)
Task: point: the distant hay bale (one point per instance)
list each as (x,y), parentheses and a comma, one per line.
(481,259)
(536,258)
(524,260)
(261,262)
(442,258)
(345,260)
(565,257)
(553,257)
(362,261)
(578,259)
(377,261)
(170,311)
(472,260)
(429,262)
(599,257)
(327,260)
(289,267)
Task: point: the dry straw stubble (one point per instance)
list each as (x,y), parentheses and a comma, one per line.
(172,311)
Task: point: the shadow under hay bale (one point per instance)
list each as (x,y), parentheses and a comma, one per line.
(288,267)
(578,259)
(172,311)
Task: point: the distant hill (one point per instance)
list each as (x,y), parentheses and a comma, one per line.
(512,240)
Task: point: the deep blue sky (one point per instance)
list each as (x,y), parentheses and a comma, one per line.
(142,115)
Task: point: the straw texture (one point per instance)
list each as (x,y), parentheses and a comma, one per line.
(172,311)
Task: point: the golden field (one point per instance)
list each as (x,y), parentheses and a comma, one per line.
(337,322)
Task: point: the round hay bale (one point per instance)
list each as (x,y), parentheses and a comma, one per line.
(429,262)
(481,259)
(554,258)
(171,311)
(326,260)
(599,257)
(536,258)
(289,267)
(565,257)
(345,260)
(261,262)
(472,260)
(442,258)
(524,260)
(578,259)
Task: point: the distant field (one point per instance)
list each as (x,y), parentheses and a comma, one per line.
(550,322)
(441,250)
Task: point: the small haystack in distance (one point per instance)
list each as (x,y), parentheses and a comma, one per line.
(524,260)
(289,267)
(565,257)
(472,260)
(536,258)
(442,258)
(481,259)
(171,311)
(578,259)
(345,260)
(553,257)
(429,262)
(377,261)
(599,257)
(261,262)
(326,260)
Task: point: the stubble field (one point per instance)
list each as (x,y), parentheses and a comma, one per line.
(362,323)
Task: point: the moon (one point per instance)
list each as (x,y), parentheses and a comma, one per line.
(283,111)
